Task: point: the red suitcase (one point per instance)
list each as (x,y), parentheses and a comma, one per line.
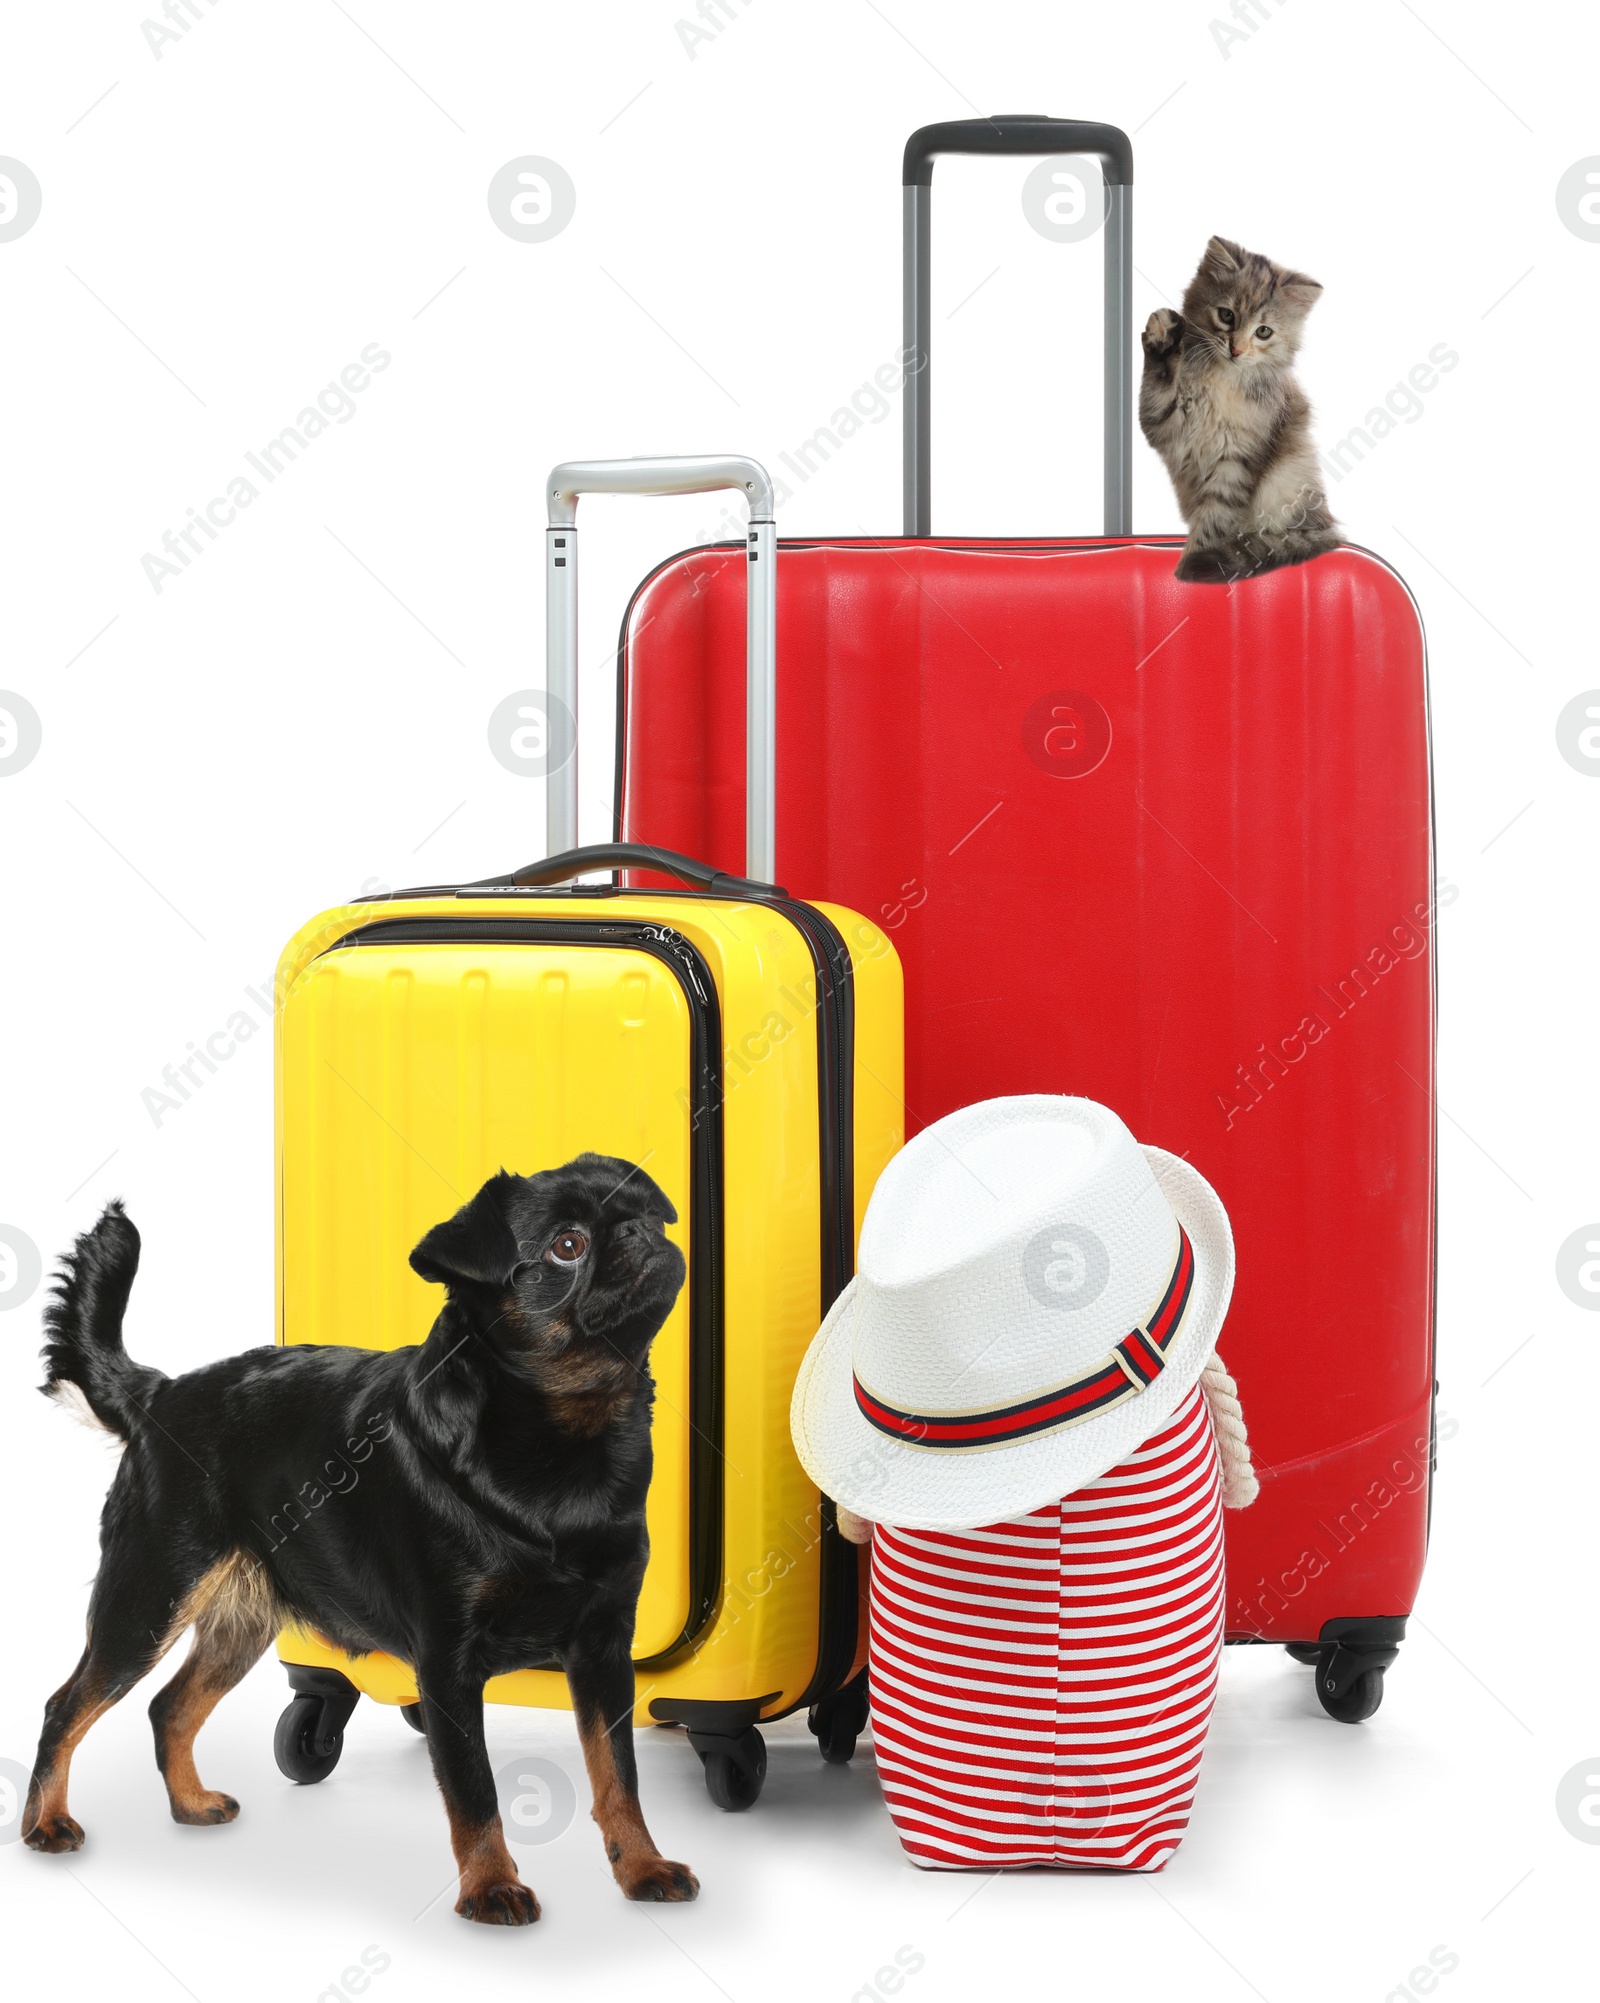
(1165,845)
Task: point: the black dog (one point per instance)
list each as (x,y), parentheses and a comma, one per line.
(497,1521)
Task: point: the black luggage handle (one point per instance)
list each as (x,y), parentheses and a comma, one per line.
(1019,132)
(1013,133)
(629,855)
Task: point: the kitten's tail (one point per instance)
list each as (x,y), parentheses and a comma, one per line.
(86,1366)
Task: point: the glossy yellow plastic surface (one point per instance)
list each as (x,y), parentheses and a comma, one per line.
(409,1073)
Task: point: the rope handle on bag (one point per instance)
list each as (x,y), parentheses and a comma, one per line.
(1239,1485)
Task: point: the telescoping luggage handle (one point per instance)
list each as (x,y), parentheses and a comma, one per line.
(1024,133)
(663,476)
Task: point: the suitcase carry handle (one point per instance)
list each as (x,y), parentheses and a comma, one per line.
(1022,132)
(668,476)
(632,855)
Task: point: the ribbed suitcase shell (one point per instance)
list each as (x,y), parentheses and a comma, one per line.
(1222,928)
(427,1041)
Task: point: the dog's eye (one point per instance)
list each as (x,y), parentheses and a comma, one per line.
(568,1248)
(1263,333)
(1225,316)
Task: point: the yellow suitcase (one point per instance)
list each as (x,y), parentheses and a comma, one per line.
(746,1046)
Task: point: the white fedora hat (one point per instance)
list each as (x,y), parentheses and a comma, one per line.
(1035,1294)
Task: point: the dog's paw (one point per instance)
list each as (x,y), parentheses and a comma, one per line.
(510,1904)
(1162,333)
(207,1810)
(54,1833)
(658,1879)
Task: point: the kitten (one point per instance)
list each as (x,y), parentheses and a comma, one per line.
(1220,403)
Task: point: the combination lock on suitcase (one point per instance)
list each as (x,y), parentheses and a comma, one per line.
(745,1045)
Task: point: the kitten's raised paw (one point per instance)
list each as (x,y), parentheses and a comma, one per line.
(1162,333)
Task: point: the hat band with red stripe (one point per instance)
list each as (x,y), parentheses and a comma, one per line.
(1136,1362)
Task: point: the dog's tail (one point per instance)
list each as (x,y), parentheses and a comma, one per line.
(86,1366)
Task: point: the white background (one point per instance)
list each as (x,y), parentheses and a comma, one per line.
(303,710)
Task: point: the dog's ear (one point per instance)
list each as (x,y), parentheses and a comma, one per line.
(476,1244)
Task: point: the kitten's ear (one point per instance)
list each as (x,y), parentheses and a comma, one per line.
(1300,292)
(1224,256)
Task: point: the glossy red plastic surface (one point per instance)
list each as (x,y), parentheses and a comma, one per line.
(1165,845)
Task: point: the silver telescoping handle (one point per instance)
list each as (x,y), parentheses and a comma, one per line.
(669,476)
(1019,133)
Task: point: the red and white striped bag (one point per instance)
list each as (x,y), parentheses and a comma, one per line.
(1041,1688)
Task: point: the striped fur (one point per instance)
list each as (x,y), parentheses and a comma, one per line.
(1041,1688)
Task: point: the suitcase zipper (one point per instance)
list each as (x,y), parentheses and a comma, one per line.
(835,1018)
(839,1583)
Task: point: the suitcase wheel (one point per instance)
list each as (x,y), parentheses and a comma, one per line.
(412,1713)
(838,1721)
(736,1766)
(1359,1698)
(1349,1677)
(310,1738)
